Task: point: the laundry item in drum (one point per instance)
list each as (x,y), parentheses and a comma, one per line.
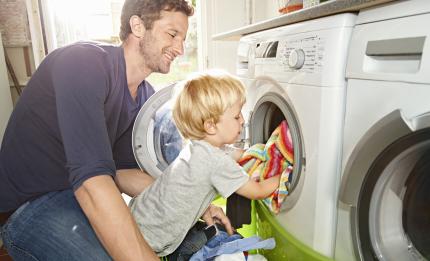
(170,139)
(276,157)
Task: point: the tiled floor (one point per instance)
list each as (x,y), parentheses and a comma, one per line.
(4,256)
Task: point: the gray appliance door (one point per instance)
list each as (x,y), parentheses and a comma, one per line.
(156,141)
(386,186)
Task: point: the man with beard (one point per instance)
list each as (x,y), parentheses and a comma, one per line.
(66,155)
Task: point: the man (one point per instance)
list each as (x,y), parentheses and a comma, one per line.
(66,155)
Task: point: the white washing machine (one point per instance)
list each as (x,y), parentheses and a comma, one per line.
(297,73)
(294,73)
(384,202)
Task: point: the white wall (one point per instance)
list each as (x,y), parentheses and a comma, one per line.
(35,26)
(5,96)
(263,10)
(219,16)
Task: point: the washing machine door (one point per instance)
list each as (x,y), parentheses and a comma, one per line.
(386,184)
(156,141)
(269,105)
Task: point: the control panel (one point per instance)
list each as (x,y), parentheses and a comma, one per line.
(308,53)
(303,54)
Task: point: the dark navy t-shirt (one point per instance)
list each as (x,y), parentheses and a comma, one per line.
(73,121)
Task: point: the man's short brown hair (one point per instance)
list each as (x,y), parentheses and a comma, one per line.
(149,11)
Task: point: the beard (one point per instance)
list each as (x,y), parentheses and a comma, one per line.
(149,52)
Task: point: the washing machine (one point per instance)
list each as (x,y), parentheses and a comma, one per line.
(384,202)
(297,73)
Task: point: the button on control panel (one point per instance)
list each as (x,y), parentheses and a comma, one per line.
(296,58)
(304,54)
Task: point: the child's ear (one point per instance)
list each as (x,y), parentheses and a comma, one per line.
(210,127)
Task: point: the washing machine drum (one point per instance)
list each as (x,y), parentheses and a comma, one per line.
(416,204)
(156,141)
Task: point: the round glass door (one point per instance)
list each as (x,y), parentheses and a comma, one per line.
(394,203)
(156,141)
(272,108)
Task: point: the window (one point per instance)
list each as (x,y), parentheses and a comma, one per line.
(71,21)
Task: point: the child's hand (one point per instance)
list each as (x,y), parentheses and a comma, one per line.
(213,214)
(237,154)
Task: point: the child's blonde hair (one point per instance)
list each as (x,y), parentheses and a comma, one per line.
(202,97)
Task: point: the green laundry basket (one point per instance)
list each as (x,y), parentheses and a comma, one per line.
(287,246)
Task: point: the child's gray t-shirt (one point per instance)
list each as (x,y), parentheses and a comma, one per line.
(176,200)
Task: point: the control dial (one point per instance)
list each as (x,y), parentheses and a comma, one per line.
(296,59)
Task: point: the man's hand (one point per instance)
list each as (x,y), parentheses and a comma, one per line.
(112,221)
(216,214)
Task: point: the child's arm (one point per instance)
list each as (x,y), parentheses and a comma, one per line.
(237,154)
(259,190)
(234,152)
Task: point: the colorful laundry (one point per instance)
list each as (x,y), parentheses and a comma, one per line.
(276,157)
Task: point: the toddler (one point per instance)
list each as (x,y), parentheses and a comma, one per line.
(207,113)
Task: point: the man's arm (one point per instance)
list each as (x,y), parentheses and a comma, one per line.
(259,190)
(132,181)
(111,220)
